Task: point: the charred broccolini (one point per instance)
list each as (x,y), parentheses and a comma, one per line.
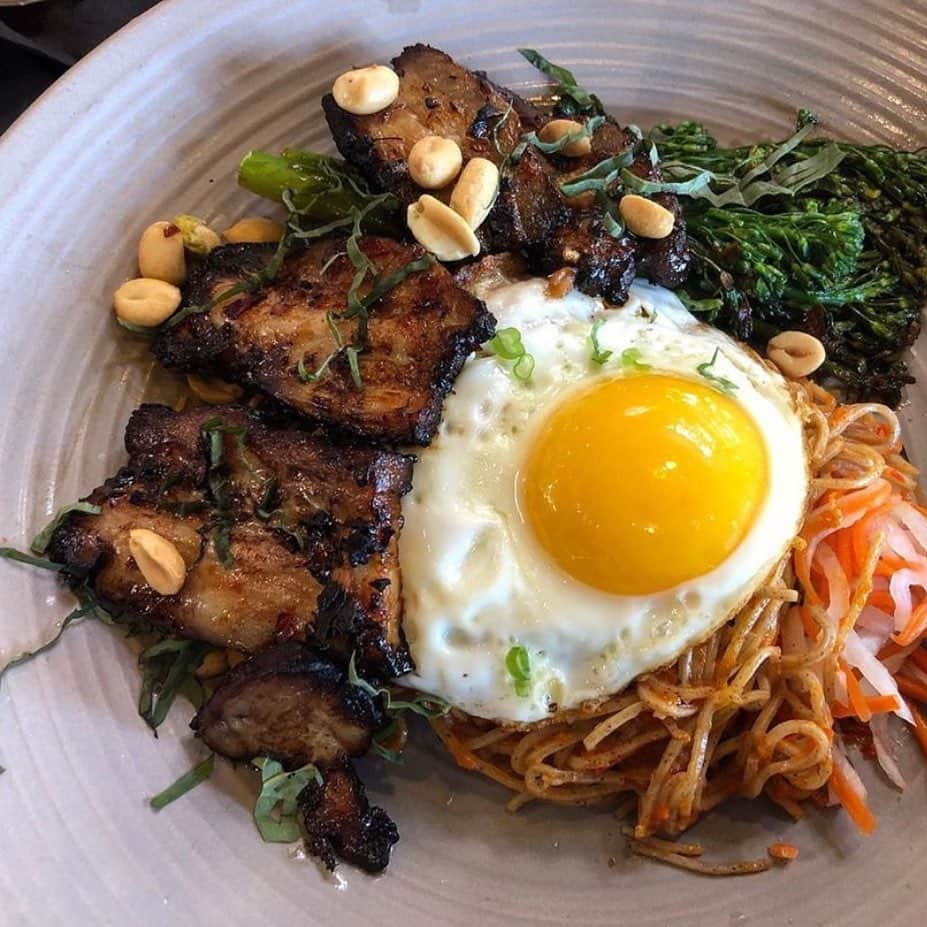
(843,257)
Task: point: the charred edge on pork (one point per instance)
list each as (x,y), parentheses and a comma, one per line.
(420,334)
(340,823)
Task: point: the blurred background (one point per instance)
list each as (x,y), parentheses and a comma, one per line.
(39,41)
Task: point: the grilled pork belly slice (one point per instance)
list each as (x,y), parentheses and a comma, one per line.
(438,96)
(310,528)
(420,333)
(289,703)
(339,822)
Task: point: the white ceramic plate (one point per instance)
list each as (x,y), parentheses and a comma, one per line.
(153,123)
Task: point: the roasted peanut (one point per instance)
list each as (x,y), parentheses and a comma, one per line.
(158,560)
(364,91)
(796,354)
(213,390)
(214,663)
(644,217)
(145,302)
(160,253)
(434,161)
(560,282)
(441,230)
(234,657)
(475,192)
(253,230)
(556,129)
(198,237)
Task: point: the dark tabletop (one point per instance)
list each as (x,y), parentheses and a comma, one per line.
(38,42)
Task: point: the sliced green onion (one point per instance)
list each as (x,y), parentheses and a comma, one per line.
(720,383)
(507,344)
(518,666)
(599,354)
(631,357)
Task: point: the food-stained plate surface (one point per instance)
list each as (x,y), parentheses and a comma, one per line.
(153,124)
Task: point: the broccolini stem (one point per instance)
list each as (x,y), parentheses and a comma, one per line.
(322,188)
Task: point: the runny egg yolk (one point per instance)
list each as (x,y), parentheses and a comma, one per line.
(642,482)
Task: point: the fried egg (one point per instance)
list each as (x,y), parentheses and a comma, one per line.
(600,517)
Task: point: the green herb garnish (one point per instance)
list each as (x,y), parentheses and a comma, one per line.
(721,383)
(275,807)
(168,669)
(602,178)
(310,376)
(599,354)
(763,171)
(214,431)
(425,706)
(586,130)
(188,781)
(322,189)
(381,739)
(507,344)
(86,609)
(359,307)
(41,541)
(11,553)
(518,666)
(572,99)
(631,358)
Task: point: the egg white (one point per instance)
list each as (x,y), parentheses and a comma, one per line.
(476,581)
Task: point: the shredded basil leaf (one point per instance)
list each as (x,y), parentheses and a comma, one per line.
(721,383)
(359,308)
(41,541)
(77,615)
(275,809)
(601,177)
(188,781)
(421,704)
(88,606)
(599,354)
(11,553)
(631,357)
(426,706)
(253,283)
(168,669)
(502,119)
(215,430)
(137,329)
(750,180)
(573,99)
(640,185)
(382,737)
(586,130)
(518,665)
